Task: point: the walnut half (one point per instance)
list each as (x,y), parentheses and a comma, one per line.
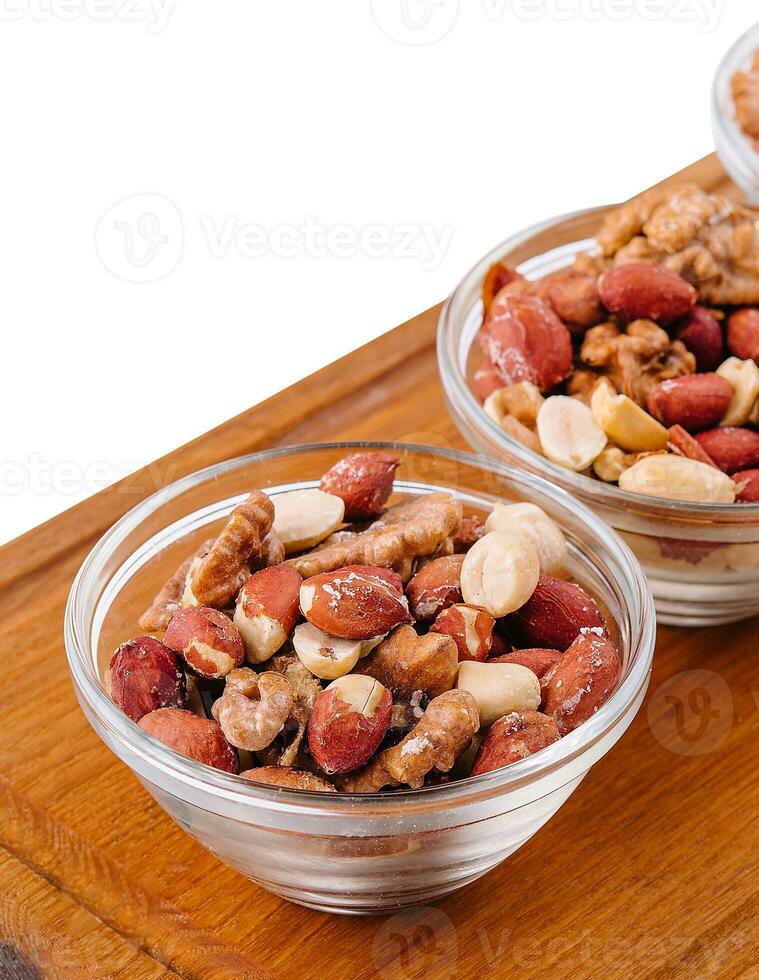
(412,529)
(443,733)
(708,239)
(635,360)
(216,579)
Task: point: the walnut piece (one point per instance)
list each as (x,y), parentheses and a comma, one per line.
(592,265)
(745,87)
(289,779)
(405,663)
(167,602)
(443,733)
(708,239)
(253,709)
(272,553)
(515,408)
(521,400)
(628,221)
(216,579)
(305,688)
(581,384)
(634,361)
(411,529)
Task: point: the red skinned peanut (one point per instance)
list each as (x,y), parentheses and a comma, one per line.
(146,675)
(207,639)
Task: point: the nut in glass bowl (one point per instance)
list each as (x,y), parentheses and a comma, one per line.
(339,845)
(673,503)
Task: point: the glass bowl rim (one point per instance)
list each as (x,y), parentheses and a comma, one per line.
(457,390)
(725,125)
(224,785)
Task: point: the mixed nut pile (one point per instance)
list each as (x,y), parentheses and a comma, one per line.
(638,365)
(396,646)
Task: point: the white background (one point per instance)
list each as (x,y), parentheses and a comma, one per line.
(270,157)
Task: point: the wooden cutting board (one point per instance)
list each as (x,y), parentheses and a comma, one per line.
(648,871)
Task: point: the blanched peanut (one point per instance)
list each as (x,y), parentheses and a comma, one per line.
(493,406)
(500,572)
(328,657)
(569,434)
(499,689)
(624,422)
(678,478)
(304,518)
(361,692)
(532,522)
(743,378)
(610,464)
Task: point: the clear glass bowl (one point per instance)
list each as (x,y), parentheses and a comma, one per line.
(340,853)
(734,148)
(701,560)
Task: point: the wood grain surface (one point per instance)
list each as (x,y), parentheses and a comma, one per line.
(648,871)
